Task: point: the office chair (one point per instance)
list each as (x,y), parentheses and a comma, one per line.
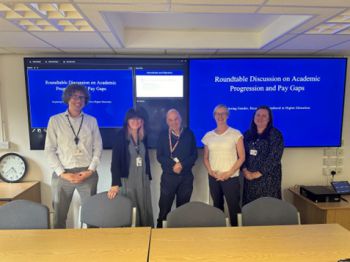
(24,214)
(196,214)
(99,211)
(268,211)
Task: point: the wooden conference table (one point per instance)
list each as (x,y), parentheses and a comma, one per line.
(327,242)
(117,244)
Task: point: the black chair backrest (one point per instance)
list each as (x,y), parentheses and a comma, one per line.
(269,211)
(99,211)
(196,214)
(24,214)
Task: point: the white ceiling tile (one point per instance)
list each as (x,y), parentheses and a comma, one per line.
(167,27)
(165,39)
(299,10)
(31,1)
(4,51)
(313,22)
(219,2)
(111,40)
(191,51)
(214,9)
(281,26)
(20,39)
(89,50)
(243,51)
(8,26)
(33,50)
(313,3)
(313,42)
(334,52)
(279,41)
(140,51)
(125,7)
(294,52)
(342,46)
(93,15)
(136,2)
(195,22)
(73,39)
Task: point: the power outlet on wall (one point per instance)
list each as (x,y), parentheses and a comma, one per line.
(339,171)
(327,171)
(330,161)
(330,152)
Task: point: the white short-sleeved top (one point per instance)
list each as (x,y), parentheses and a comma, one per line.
(222,149)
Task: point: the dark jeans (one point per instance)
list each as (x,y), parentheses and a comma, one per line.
(180,186)
(231,190)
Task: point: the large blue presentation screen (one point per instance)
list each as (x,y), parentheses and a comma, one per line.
(110,91)
(115,85)
(306,96)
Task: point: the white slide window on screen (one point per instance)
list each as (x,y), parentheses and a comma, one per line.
(159,85)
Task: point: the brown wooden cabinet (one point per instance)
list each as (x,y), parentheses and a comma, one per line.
(22,190)
(321,213)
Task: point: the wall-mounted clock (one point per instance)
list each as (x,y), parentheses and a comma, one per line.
(13,167)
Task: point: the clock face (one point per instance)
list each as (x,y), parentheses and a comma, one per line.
(12,167)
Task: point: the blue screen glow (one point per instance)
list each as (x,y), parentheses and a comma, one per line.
(306,96)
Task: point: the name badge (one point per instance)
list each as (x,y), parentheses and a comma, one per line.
(78,152)
(138,161)
(253,152)
(176,160)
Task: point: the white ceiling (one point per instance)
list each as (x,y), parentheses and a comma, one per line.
(189,27)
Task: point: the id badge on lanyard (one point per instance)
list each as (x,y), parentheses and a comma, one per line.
(173,147)
(253,152)
(138,161)
(77,151)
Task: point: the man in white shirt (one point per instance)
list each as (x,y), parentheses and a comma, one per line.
(73,146)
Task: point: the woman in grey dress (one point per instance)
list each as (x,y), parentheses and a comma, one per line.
(131,168)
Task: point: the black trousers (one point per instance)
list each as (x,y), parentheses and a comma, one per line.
(231,190)
(180,186)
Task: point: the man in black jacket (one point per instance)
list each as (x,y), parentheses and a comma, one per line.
(177,153)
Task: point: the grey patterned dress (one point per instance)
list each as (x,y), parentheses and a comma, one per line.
(137,187)
(269,150)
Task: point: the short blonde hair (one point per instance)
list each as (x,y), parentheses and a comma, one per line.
(221,106)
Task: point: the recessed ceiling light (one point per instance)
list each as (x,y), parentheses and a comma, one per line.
(44,16)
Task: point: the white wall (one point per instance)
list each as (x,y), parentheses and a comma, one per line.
(300,166)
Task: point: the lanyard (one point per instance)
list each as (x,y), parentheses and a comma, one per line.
(136,144)
(171,146)
(76,138)
(255,142)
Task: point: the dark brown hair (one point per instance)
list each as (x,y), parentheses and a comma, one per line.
(71,89)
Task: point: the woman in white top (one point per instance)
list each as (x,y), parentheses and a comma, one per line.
(223,156)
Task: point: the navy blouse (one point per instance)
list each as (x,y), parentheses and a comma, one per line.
(263,154)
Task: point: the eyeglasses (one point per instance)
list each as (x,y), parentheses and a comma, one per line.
(76,97)
(221,114)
